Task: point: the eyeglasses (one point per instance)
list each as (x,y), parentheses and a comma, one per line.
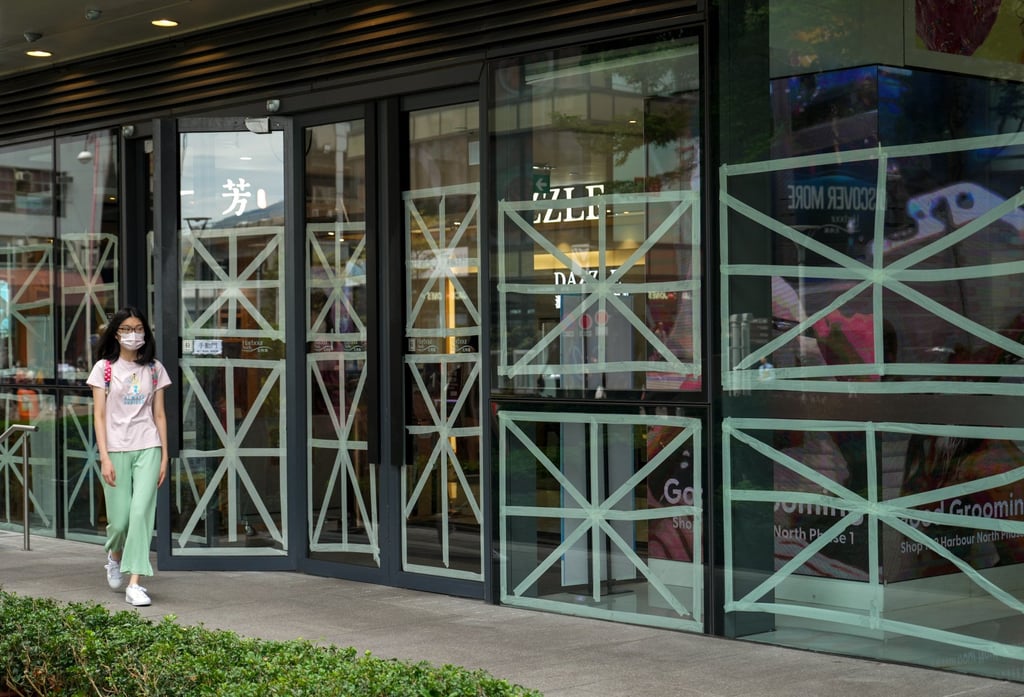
(125,331)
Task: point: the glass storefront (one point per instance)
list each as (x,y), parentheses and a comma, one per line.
(60,228)
(529,364)
(872,339)
(597,266)
(26,327)
(89,226)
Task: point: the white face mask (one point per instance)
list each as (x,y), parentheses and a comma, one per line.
(132,342)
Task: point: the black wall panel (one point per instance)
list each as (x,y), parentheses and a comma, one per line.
(342,45)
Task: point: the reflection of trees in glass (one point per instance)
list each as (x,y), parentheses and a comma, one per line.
(619,138)
(667,116)
(810,29)
(1008,107)
(744,117)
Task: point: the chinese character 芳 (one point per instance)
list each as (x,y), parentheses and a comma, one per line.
(238,195)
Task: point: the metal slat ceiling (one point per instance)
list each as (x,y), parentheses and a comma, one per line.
(75,29)
(296,52)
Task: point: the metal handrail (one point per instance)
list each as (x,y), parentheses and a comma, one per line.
(24,468)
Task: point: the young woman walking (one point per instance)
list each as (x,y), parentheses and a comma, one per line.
(131,436)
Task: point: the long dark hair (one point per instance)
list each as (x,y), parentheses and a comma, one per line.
(110,348)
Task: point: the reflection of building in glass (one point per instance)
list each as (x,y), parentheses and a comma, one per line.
(631,128)
(25,191)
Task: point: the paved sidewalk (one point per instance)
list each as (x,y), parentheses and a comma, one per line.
(560,656)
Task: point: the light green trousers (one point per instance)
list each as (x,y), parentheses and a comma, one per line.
(131,508)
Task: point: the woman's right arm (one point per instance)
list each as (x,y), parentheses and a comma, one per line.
(99,418)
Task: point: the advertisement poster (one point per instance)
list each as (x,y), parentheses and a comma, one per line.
(909,461)
(981,37)
(670,539)
(909,464)
(960,303)
(841,457)
(933,462)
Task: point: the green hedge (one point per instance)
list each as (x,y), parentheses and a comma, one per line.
(47,648)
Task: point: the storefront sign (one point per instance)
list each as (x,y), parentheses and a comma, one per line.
(239,195)
(567,215)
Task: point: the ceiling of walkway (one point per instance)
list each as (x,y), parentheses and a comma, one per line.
(72,30)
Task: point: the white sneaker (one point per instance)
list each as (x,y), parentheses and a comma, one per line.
(114,577)
(136,595)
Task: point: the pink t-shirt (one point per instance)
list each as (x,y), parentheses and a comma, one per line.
(130,423)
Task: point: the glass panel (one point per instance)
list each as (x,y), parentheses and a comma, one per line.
(872,274)
(150,165)
(86,517)
(442,514)
(26,262)
(600,515)
(343,485)
(939,310)
(597,269)
(228,489)
(89,223)
(876,526)
(598,229)
(28,405)
(27,208)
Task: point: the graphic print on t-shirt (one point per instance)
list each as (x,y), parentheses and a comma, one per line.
(134,394)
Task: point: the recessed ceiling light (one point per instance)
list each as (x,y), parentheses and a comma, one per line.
(164,23)
(38,53)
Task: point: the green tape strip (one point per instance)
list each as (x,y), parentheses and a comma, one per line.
(579,610)
(896,627)
(584,514)
(866,154)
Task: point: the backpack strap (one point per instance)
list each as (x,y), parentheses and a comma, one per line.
(154,373)
(106,376)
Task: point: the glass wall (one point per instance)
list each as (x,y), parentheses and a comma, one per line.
(344,489)
(872,272)
(597,270)
(598,179)
(59,228)
(26,330)
(89,227)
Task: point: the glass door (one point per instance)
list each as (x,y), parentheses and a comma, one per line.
(229,485)
(343,502)
(441,503)
(392,332)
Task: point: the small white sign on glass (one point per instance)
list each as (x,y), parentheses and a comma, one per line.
(207,347)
